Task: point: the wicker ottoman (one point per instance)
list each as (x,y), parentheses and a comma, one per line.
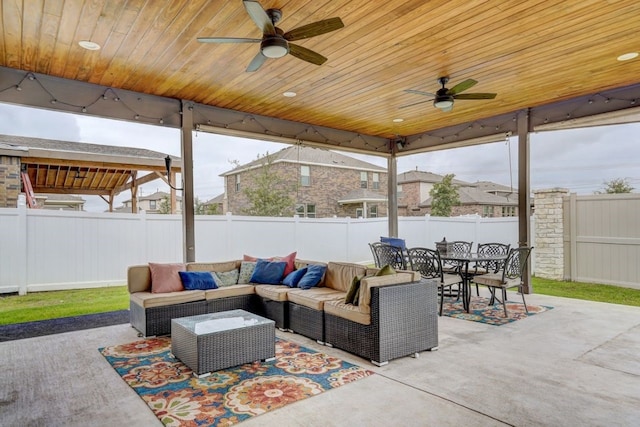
(214,341)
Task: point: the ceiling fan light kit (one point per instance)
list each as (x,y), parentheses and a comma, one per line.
(274,47)
(444,98)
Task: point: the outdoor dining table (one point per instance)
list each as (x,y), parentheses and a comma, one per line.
(463,260)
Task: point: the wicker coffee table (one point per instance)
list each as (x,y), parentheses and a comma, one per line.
(214,341)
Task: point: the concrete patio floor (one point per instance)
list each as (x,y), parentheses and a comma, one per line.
(575,365)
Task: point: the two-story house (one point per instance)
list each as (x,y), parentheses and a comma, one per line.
(483,198)
(152,203)
(321,183)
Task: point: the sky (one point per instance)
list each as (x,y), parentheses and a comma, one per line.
(580,160)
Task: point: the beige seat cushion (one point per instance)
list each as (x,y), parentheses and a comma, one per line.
(340,275)
(149,299)
(364,299)
(273,292)
(314,297)
(495,280)
(347,311)
(229,291)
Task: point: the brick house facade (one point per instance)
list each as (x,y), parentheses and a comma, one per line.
(320,183)
(482,198)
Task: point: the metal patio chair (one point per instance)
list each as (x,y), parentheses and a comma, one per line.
(509,277)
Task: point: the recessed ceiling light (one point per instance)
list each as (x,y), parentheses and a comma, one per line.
(628,56)
(398,120)
(289,94)
(89,45)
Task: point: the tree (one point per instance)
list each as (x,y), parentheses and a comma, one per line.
(164,207)
(201,208)
(616,186)
(268,195)
(444,195)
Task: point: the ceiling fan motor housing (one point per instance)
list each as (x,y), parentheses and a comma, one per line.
(274,47)
(443,99)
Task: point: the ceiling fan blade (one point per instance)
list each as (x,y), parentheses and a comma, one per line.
(227,40)
(314,29)
(415,103)
(419,92)
(462,86)
(259,16)
(256,62)
(306,54)
(475,96)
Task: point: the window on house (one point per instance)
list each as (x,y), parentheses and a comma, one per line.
(237,183)
(508,211)
(359,213)
(487,211)
(306,210)
(152,204)
(399,188)
(373,211)
(305,176)
(363,180)
(376,180)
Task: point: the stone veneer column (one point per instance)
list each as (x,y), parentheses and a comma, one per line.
(9,181)
(549,233)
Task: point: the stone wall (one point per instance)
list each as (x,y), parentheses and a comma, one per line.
(9,181)
(549,233)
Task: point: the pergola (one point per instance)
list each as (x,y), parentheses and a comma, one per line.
(552,63)
(64,167)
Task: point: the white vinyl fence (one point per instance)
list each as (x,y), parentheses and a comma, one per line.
(50,250)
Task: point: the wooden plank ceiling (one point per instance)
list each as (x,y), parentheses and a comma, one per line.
(529,52)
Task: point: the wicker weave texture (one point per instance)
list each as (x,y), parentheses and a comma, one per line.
(155,321)
(278,311)
(306,321)
(220,350)
(404,321)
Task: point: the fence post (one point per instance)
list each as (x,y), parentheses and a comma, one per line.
(22,248)
(573,232)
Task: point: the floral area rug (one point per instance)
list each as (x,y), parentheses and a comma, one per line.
(481,311)
(226,397)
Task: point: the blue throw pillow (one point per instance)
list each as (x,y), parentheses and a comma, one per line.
(268,272)
(202,280)
(292,279)
(312,277)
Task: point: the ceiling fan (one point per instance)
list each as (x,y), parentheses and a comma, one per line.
(443,98)
(274,42)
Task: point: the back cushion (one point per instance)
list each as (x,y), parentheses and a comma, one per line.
(340,275)
(165,277)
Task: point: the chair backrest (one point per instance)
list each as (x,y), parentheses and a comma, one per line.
(426,261)
(515,263)
(493,249)
(373,247)
(391,255)
(461,247)
(458,247)
(394,241)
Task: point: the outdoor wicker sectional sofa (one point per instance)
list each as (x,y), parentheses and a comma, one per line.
(396,314)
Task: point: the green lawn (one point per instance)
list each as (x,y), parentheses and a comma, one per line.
(587,291)
(54,304)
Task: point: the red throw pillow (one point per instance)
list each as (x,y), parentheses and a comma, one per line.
(290,260)
(165,277)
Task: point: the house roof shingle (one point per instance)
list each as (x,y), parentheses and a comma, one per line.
(310,155)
